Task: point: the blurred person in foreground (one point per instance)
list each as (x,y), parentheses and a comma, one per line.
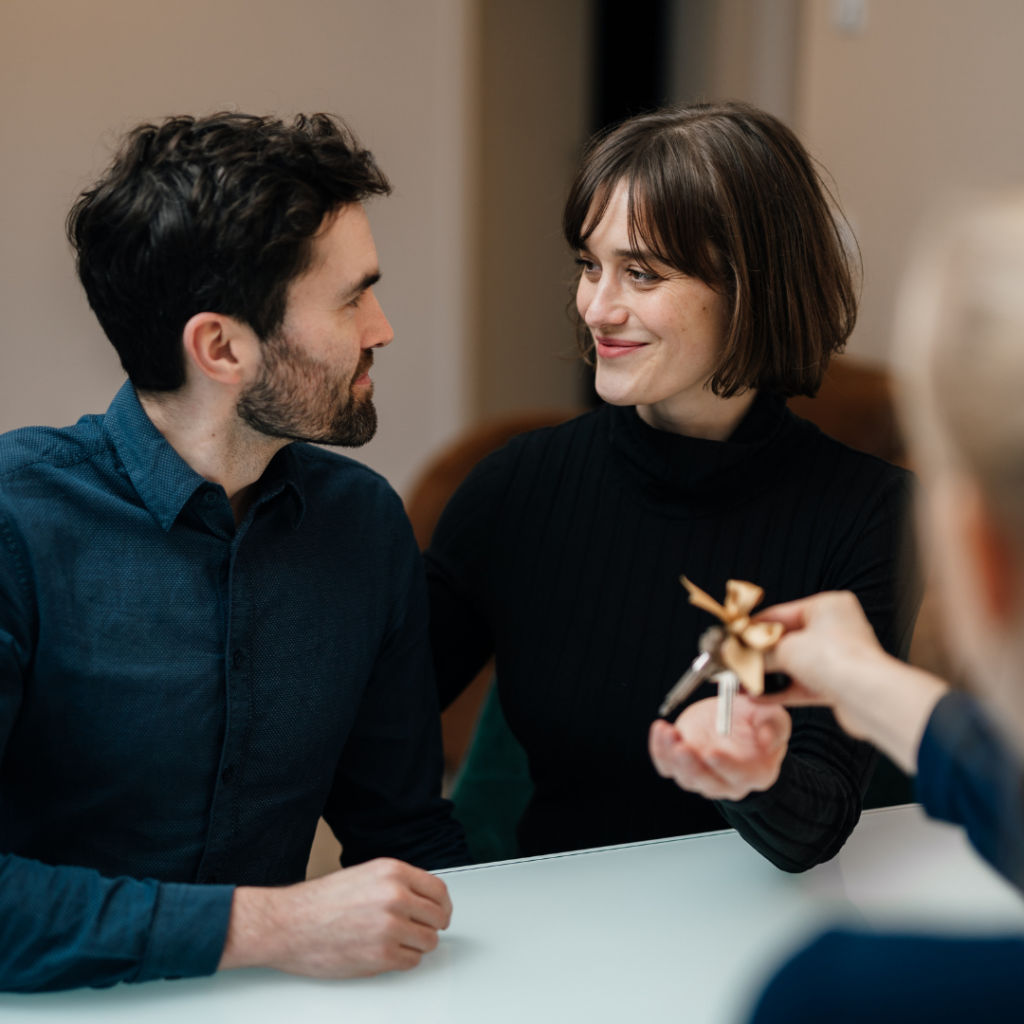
(961,337)
(714,283)
(211,632)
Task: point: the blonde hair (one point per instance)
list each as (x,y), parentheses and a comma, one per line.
(960,350)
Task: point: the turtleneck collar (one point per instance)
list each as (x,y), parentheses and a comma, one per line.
(686,476)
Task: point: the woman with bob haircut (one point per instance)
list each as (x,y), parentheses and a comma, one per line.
(714,283)
(960,345)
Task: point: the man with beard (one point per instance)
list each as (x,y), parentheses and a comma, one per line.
(211,632)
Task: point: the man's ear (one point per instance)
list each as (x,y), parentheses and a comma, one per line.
(220,347)
(996,560)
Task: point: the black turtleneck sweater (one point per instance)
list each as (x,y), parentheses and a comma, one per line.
(561,554)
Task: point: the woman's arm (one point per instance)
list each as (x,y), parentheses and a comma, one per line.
(457,564)
(460,638)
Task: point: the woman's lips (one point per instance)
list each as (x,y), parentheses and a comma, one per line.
(616,348)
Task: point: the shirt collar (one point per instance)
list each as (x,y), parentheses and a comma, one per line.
(163,479)
(284,473)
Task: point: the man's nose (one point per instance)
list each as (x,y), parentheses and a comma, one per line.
(379,332)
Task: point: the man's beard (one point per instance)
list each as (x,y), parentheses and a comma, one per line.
(297,397)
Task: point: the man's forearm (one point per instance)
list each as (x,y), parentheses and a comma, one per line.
(251,930)
(67,927)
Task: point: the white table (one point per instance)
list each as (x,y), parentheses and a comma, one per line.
(681,929)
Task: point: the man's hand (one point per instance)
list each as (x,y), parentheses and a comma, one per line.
(379,916)
(722,767)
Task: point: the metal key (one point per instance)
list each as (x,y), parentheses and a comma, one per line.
(704,666)
(728,684)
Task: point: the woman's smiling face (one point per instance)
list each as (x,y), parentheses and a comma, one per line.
(657,333)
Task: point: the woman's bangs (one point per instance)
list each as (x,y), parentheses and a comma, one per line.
(668,217)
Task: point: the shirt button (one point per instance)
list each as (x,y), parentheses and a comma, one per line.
(228,774)
(238,659)
(210,497)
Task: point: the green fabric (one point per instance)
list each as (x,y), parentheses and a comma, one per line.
(493,787)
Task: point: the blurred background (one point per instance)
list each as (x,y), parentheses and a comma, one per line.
(478,109)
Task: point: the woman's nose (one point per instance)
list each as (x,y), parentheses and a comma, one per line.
(605,306)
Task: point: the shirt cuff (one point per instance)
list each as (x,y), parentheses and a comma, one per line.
(188,931)
(955,715)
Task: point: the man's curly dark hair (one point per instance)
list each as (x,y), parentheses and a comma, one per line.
(213,214)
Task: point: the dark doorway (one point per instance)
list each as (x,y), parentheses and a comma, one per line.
(631,61)
(630,76)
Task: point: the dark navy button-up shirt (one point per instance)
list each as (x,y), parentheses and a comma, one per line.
(181,699)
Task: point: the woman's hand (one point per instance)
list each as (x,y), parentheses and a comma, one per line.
(834,659)
(722,767)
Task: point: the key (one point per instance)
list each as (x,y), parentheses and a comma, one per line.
(704,666)
(728,684)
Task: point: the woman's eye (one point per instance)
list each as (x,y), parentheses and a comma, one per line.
(589,266)
(642,276)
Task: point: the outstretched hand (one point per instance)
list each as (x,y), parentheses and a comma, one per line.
(722,767)
(832,655)
(829,651)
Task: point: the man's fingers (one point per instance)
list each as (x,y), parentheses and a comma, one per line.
(429,913)
(418,937)
(430,887)
(419,884)
(404,959)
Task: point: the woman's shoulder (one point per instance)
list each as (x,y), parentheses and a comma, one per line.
(529,464)
(837,464)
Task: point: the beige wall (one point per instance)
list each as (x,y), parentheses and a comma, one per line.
(73,74)
(534,109)
(902,101)
(924,100)
(735,50)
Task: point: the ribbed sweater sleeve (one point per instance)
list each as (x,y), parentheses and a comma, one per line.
(807,816)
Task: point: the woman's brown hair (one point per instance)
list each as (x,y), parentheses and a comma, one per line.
(726,193)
